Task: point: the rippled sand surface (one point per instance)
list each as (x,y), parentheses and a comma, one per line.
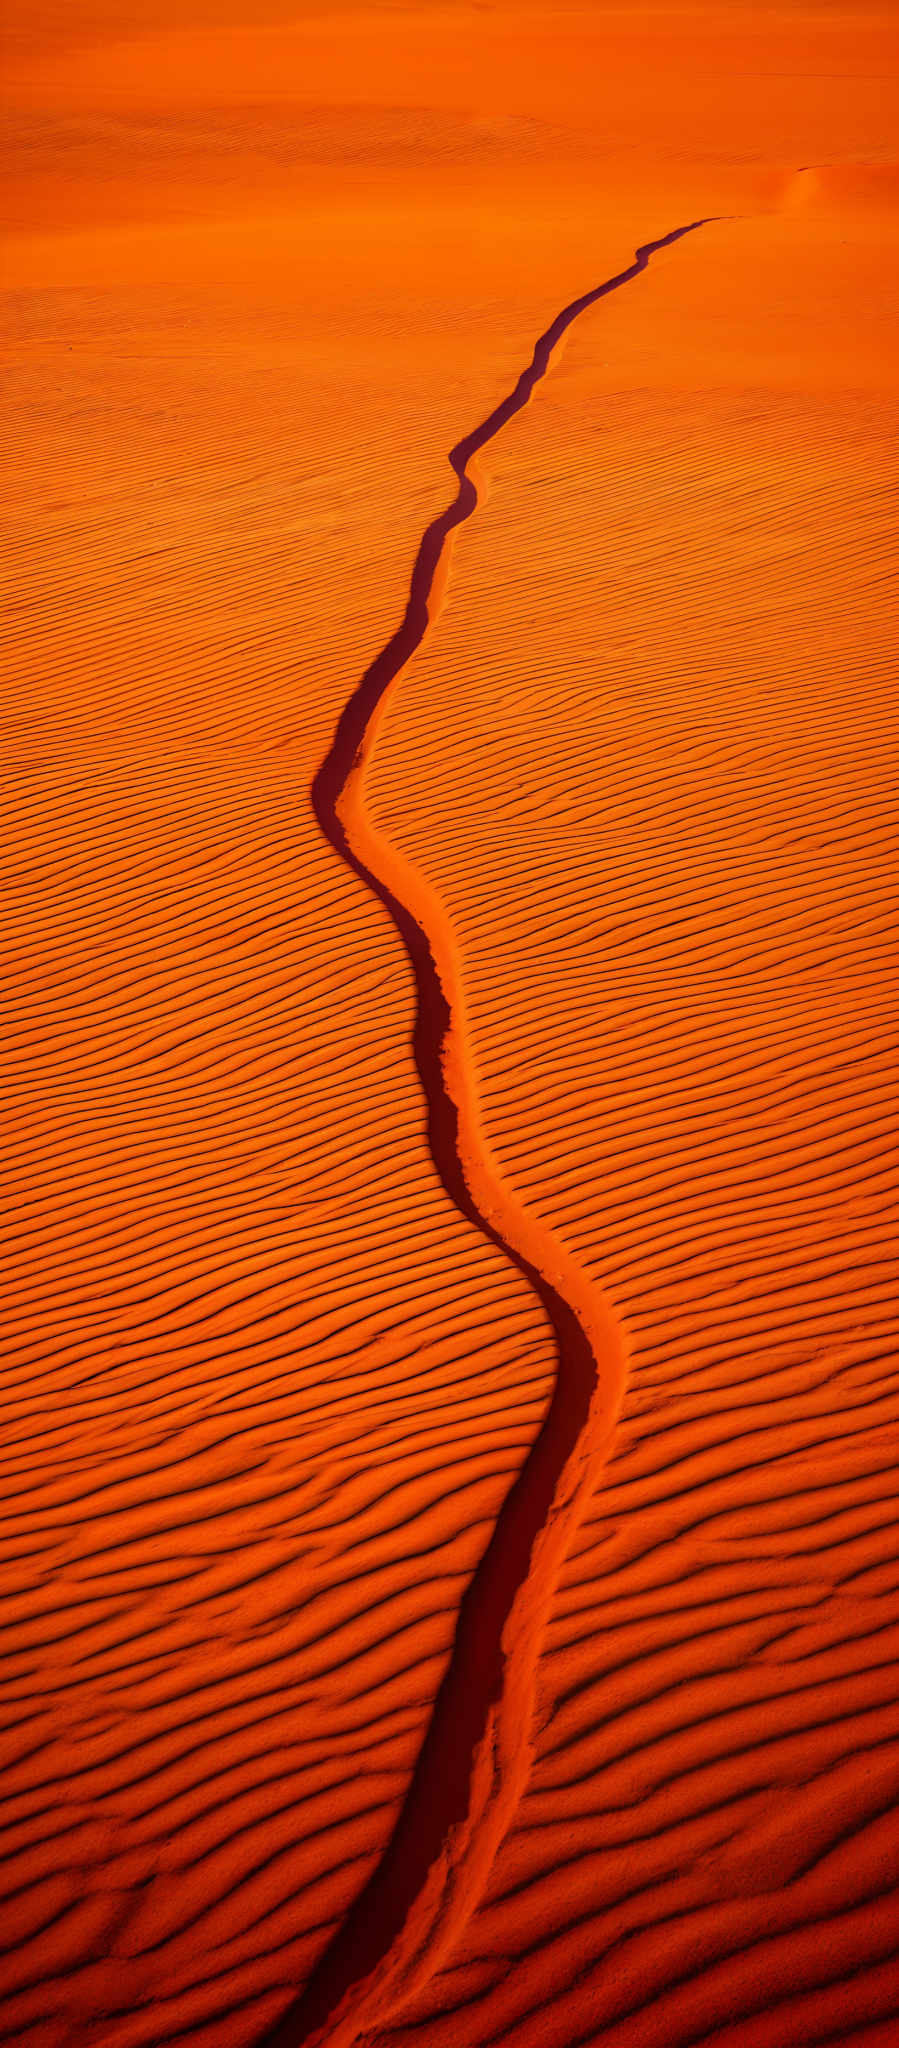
(447,1554)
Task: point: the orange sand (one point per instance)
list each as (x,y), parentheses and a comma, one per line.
(265,1387)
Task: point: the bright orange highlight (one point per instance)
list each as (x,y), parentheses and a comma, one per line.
(449,1396)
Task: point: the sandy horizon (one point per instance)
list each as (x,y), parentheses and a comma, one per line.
(449,1585)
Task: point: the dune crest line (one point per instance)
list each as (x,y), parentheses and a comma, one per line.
(474,1759)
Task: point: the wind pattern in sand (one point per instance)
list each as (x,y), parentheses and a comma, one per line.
(265,1389)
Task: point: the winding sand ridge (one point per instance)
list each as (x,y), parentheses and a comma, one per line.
(265,1390)
(473,1763)
(668,849)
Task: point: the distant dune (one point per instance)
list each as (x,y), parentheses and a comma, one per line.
(449,1583)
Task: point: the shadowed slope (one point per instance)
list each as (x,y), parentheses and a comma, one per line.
(473,1761)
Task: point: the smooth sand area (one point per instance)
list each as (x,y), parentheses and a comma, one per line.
(448,1552)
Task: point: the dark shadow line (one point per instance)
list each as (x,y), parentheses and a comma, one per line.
(437,1798)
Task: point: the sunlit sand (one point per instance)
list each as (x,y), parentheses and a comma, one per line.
(449,1582)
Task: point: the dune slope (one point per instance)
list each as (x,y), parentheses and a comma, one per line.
(668,855)
(267,1378)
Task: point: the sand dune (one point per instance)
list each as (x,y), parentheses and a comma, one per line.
(626,1745)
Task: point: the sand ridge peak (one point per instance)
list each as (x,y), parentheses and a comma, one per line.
(473,1762)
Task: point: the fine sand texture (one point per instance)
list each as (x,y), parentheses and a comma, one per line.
(449,1575)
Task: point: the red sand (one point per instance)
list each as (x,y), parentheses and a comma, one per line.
(270,1372)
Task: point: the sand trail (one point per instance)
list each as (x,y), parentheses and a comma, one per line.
(474,1761)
